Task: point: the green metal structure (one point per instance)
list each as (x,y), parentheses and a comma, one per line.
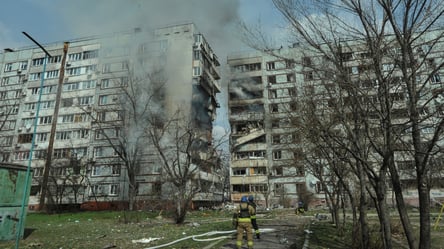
(12,188)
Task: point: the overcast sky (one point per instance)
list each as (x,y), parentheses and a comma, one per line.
(50,21)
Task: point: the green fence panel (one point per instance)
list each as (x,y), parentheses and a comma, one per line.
(12,188)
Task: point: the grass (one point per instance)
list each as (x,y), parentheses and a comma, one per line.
(325,235)
(91,230)
(115,229)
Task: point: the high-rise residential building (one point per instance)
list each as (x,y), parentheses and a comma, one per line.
(82,87)
(266,91)
(264,162)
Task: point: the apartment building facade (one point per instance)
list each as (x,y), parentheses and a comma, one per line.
(267,160)
(265,90)
(85,166)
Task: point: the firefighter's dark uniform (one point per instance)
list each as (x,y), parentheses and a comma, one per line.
(253,217)
(244,211)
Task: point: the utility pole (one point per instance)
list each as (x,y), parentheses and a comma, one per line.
(28,171)
(44,187)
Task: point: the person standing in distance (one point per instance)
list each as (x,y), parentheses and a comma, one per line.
(253,217)
(244,213)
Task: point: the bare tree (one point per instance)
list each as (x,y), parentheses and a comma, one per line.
(67,182)
(388,36)
(122,124)
(9,107)
(183,153)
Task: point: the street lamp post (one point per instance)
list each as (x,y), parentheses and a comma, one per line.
(28,170)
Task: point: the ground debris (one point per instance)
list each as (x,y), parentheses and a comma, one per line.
(145,240)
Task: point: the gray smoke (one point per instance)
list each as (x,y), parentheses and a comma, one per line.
(214,18)
(217,20)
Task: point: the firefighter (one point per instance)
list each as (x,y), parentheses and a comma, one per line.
(244,213)
(253,217)
(300,209)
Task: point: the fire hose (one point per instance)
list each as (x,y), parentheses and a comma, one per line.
(196,237)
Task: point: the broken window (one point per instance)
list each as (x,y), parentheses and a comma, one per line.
(276,139)
(24,138)
(259,171)
(272,79)
(238,172)
(277,155)
(246,67)
(257,154)
(261,188)
(274,108)
(241,188)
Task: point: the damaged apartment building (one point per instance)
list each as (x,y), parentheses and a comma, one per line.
(266,161)
(84,166)
(265,92)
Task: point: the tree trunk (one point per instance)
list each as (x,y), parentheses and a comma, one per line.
(400,205)
(181,211)
(424,213)
(383,214)
(365,238)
